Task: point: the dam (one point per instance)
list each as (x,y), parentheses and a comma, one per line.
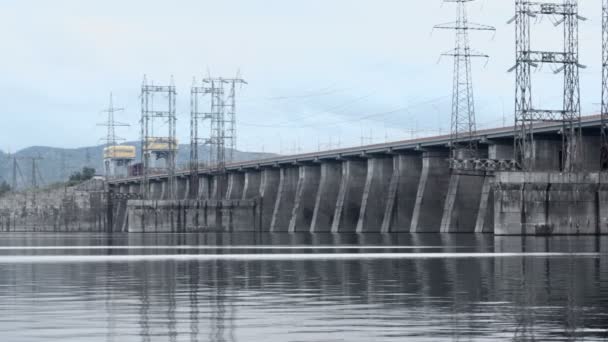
(404,186)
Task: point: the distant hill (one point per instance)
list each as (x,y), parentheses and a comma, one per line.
(57,164)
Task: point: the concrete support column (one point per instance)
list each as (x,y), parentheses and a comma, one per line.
(431,194)
(602,196)
(251,187)
(269,185)
(218,186)
(204,187)
(183,187)
(589,152)
(374,200)
(401,196)
(288,182)
(134,188)
(123,188)
(327,196)
(485,216)
(499,150)
(155,190)
(214,191)
(306,194)
(348,204)
(235,186)
(163,190)
(462,203)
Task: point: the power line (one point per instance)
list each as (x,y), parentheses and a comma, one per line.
(355,119)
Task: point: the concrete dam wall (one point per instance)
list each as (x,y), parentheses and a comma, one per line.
(401,187)
(395,187)
(410,191)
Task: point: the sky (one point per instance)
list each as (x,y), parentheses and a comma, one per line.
(321,73)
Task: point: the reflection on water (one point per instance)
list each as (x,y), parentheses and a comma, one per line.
(261,288)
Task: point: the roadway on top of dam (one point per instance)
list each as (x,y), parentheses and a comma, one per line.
(401,146)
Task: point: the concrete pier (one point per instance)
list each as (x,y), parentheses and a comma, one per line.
(157,190)
(236,183)
(183,188)
(134,188)
(327,196)
(204,187)
(305,197)
(375,194)
(269,185)
(431,194)
(462,203)
(251,185)
(602,199)
(485,214)
(348,204)
(285,200)
(401,197)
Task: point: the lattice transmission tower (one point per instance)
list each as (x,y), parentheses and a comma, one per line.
(566,62)
(198,117)
(604,134)
(111,138)
(222,116)
(154,145)
(463,125)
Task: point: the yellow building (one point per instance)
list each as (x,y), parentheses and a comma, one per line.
(161,145)
(119,152)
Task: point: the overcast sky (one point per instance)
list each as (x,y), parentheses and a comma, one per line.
(318,70)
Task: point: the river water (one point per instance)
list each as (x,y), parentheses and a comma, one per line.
(302,287)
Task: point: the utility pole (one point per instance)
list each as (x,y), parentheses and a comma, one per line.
(604,110)
(35,174)
(566,62)
(463,124)
(88,157)
(14,178)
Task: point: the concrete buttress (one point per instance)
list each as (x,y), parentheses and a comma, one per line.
(251,186)
(306,194)
(431,194)
(401,197)
(236,182)
(269,184)
(288,182)
(348,204)
(485,216)
(462,203)
(374,200)
(325,202)
(183,188)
